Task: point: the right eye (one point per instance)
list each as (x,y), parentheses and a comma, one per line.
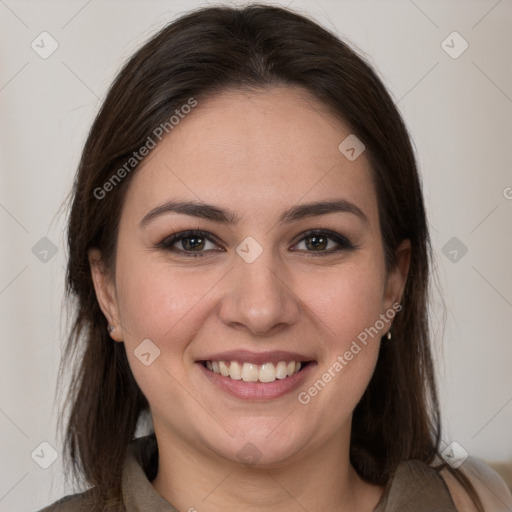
(193,243)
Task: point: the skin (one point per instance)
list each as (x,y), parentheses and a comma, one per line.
(256,154)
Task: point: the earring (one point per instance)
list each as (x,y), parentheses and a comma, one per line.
(388,335)
(111,328)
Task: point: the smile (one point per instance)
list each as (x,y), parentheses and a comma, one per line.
(249,372)
(256,376)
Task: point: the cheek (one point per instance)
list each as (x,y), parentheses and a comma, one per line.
(165,306)
(168,306)
(155,299)
(346,302)
(347,306)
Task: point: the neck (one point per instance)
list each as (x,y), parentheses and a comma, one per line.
(322,479)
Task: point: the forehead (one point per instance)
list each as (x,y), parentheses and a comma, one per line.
(254,148)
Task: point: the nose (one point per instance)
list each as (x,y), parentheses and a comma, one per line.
(259,297)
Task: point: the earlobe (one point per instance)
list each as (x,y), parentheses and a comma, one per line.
(105,293)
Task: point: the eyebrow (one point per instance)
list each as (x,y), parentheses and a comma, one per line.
(210,212)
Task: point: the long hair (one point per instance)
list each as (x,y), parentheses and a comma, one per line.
(204,52)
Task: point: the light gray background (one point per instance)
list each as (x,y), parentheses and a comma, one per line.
(459,114)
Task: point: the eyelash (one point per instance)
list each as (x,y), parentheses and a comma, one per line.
(168,242)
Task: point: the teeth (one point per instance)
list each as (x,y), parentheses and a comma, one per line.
(267,373)
(224,369)
(280,370)
(249,372)
(235,371)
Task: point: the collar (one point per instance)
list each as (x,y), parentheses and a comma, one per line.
(139,470)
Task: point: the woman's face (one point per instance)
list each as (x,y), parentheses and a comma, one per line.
(272,277)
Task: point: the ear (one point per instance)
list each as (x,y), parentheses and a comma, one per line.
(105,292)
(397,277)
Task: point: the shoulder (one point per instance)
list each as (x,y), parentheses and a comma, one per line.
(492,490)
(73,503)
(142,457)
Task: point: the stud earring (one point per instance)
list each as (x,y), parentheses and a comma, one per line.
(111,328)
(388,335)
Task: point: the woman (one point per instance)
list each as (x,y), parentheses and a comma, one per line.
(250,258)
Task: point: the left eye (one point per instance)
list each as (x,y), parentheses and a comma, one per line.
(324,242)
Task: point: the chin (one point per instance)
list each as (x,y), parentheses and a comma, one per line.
(261,444)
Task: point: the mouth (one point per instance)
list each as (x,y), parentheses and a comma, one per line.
(256,376)
(249,372)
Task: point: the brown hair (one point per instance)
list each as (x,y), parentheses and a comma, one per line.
(203,52)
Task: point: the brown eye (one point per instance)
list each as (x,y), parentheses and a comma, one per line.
(191,243)
(317,242)
(324,242)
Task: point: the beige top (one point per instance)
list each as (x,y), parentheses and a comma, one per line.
(415,487)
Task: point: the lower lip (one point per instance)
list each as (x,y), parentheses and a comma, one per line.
(257,390)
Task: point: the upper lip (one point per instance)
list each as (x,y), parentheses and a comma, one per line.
(247,356)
